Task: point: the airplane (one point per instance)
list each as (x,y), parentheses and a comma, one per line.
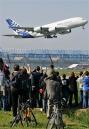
(48,31)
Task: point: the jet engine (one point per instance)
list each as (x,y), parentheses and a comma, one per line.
(52,29)
(38,29)
(41,29)
(65,32)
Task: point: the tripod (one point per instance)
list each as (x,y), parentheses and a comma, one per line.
(24,114)
(56,119)
(28,114)
(18,117)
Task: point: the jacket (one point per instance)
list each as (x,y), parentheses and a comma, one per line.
(53,89)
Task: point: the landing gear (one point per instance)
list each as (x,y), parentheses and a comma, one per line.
(83,27)
(48,36)
(54,36)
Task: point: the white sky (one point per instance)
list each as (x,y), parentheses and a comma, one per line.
(40,12)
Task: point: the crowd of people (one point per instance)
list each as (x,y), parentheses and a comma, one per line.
(42,88)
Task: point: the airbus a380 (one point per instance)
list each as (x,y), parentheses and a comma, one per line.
(48,31)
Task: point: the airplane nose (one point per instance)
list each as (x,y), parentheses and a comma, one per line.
(85,21)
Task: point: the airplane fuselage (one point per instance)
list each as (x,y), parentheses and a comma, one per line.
(70,23)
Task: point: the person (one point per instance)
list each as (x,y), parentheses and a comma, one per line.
(73,89)
(26,86)
(43,95)
(1,81)
(65,87)
(7,91)
(51,73)
(53,89)
(80,84)
(58,77)
(86,90)
(35,80)
(15,88)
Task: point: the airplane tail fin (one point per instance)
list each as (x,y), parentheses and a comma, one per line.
(19,32)
(12,24)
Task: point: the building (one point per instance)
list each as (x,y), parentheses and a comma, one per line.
(61,58)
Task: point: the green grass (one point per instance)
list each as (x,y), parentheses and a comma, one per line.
(79,117)
(6,117)
(74,119)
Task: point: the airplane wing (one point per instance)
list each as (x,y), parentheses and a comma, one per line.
(43,30)
(52,31)
(61,28)
(37,29)
(13,35)
(24,28)
(46,31)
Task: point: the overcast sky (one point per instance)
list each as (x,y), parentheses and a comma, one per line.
(40,12)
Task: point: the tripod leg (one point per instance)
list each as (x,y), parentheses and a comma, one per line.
(27,121)
(51,123)
(34,118)
(60,124)
(21,121)
(27,116)
(51,126)
(14,122)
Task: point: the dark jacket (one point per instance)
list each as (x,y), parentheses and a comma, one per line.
(35,79)
(72,84)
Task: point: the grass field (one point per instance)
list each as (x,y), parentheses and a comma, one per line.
(74,119)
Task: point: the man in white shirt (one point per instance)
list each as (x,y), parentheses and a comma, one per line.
(80,84)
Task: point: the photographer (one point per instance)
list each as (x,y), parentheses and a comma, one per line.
(15,88)
(20,87)
(53,87)
(26,85)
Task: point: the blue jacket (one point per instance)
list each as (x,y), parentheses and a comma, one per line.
(86,83)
